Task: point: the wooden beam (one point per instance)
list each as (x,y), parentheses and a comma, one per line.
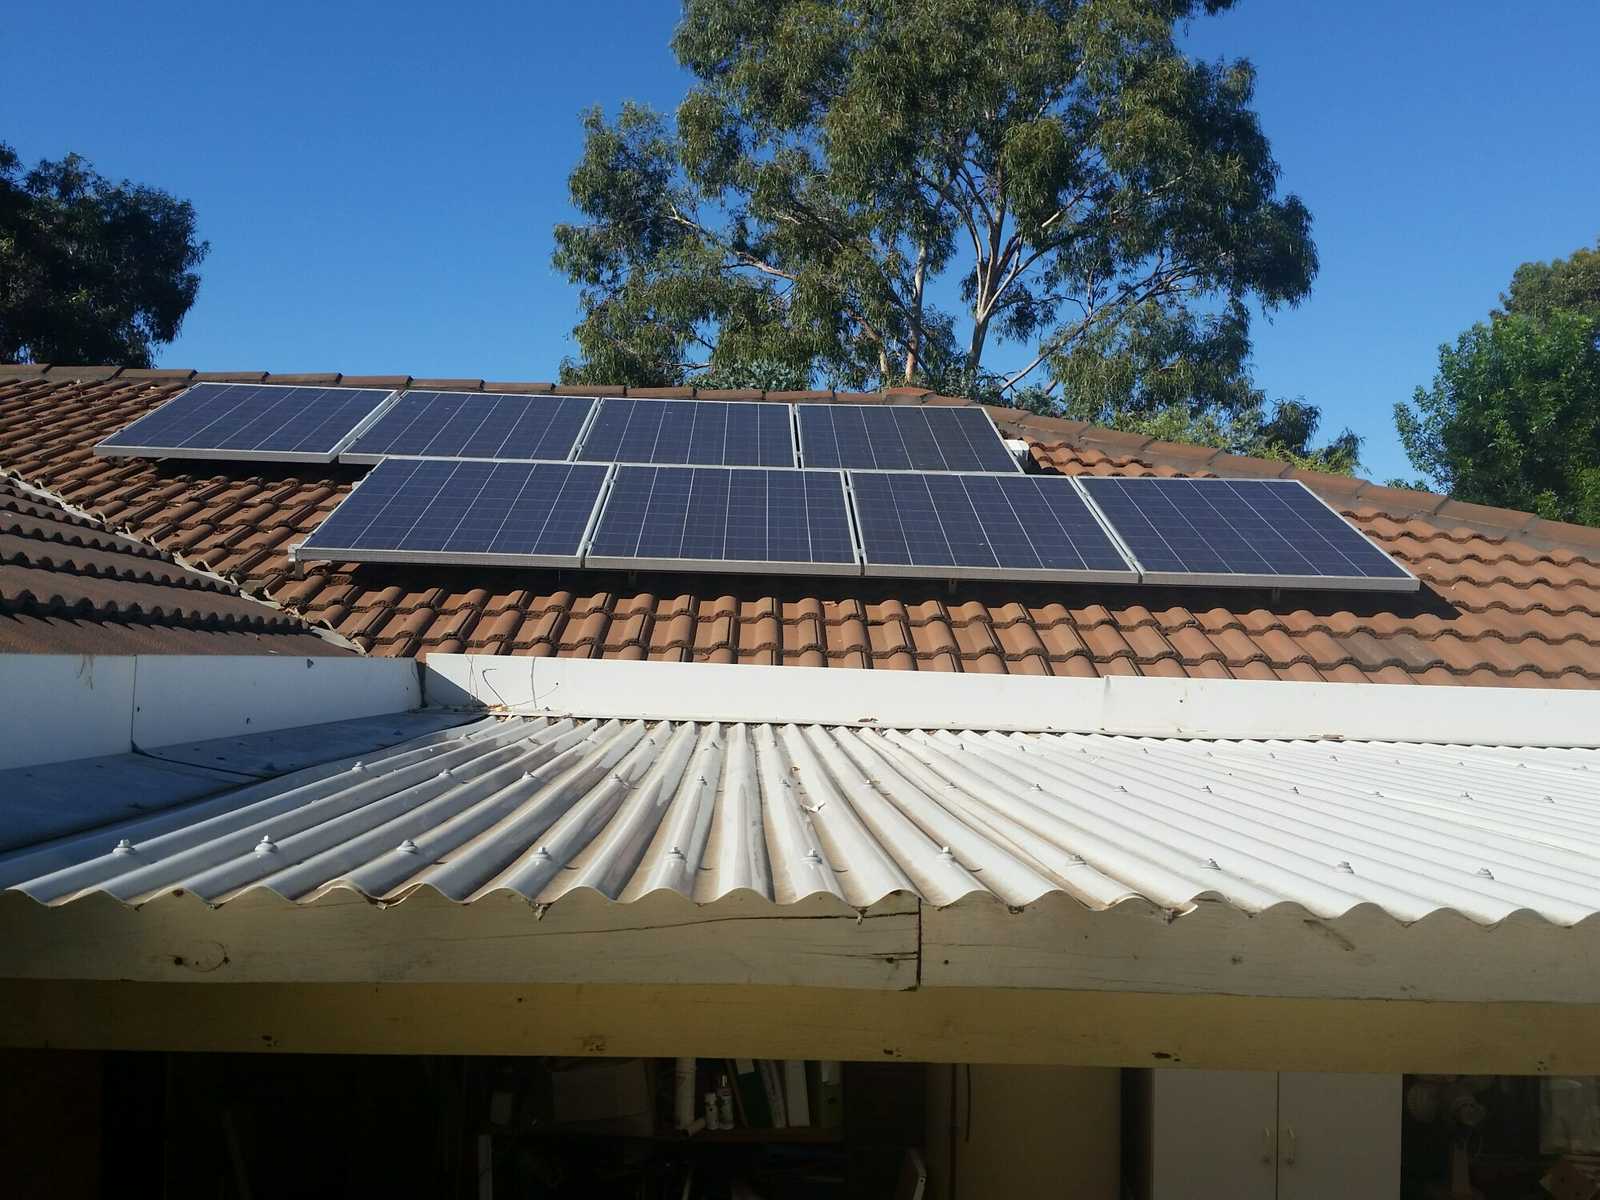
(1366,954)
(938,1025)
(343,938)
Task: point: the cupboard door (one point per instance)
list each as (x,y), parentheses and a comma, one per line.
(1338,1136)
(1213,1135)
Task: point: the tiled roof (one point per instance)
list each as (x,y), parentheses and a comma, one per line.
(1510,600)
(68,586)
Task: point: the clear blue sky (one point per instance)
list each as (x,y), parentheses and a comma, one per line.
(379,180)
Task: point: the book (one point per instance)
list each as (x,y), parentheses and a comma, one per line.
(796,1101)
(752,1093)
(772,1083)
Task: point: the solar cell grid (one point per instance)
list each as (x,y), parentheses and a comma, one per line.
(901,438)
(692,432)
(1243,532)
(487,425)
(984,526)
(249,421)
(442,510)
(725,518)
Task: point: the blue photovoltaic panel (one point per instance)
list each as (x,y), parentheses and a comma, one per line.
(722,518)
(248,421)
(453,510)
(473,425)
(984,526)
(711,433)
(888,437)
(1273,533)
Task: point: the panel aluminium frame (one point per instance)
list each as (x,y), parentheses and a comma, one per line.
(297,552)
(595,414)
(1016,574)
(373,459)
(1403,582)
(729,566)
(101,450)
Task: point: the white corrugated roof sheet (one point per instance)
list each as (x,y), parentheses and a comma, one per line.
(545,806)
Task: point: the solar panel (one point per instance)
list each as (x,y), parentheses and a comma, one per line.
(707,432)
(982,526)
(901,438)
(258,421)
(725,519)
(462,511)
(487,425)
(1243,532)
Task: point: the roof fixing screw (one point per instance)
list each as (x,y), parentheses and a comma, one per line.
(357,766)
(1485,873)
(408,847)
(124,847)
(542,854)
(1344,867)
(266,845)
(945,855)
(1076,860)
(1210,864)
(813,858)
(676,855)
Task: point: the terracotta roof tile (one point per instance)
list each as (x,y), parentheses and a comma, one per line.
(1509,599)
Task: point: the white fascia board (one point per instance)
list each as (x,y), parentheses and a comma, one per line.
(64,706)
(70,706)
(187,698)
(1133,706)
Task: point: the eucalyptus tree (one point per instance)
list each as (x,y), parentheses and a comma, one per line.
(91,271)
(875,192)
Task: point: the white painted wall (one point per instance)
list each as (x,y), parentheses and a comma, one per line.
(55,707)
(928,700)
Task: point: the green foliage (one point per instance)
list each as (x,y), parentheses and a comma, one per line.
(1091,194)
(1513,416)
(1537,289)
(90,271)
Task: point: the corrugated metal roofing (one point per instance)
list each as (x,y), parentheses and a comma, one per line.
(543,807)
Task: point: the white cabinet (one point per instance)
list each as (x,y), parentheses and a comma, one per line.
(1258,1135)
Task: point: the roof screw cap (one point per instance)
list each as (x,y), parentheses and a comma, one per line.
(676,855)
(357,766)
(542,854)
(1076,860)
(266,845)
(813,858)
(1485,873)
(1344,867)
(124,847)
(945,855)
(408,847)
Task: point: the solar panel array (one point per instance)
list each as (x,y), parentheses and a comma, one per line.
(901,438)
(1240,532)
(442,510)
(488,425)
(991,526)
(258,421)
(705,432)
(725,518)
(707,485)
